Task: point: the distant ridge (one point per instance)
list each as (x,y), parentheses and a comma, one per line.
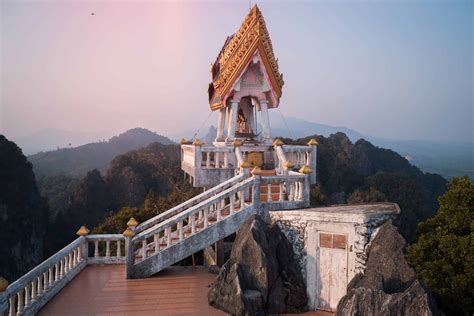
(77,161)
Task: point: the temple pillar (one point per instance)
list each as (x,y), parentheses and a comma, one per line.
(234,107)
(265,120)
(221,125)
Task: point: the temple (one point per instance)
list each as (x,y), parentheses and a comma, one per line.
(243,172)
(245,84)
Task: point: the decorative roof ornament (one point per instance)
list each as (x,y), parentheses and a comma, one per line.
(132,222)
(278,142)
(83,231)
(3,284)
(289,164)
(306,169)
(128,233)
(238,50)
(313,142)
(197,142)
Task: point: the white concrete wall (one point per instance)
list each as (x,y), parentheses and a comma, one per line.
(356,222)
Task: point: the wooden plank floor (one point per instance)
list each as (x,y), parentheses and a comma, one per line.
(103,290)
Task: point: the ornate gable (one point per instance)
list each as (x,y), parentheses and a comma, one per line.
(237,52)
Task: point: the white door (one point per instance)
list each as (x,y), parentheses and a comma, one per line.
(332,269)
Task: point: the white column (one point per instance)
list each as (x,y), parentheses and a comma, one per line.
(265,119)
(221,125)
(232,120)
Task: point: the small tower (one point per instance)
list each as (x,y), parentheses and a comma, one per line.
(246,83)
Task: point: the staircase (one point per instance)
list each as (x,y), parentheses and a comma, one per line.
(209,217)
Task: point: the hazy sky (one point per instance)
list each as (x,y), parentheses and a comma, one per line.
(394,69)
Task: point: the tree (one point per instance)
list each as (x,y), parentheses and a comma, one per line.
(443,254)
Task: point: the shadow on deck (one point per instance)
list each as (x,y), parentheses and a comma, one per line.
(104,290)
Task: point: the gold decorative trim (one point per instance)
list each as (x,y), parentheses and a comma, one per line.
(278,142)
(197,142)
(306,169)
(128,233)
(83,231)
(132,222)
(252,35)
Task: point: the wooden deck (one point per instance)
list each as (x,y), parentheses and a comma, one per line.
(103,290)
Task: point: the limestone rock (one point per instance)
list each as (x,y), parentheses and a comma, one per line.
(261,276)
(389,285)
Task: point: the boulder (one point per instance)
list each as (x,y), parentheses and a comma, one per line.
(389,285)
(261,276)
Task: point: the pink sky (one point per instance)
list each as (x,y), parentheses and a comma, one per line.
(391,69)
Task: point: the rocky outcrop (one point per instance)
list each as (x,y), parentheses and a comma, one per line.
(389,286)
(261,277)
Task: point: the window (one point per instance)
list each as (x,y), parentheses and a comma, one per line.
(328,240)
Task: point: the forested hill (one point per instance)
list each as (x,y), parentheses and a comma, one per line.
(23,213)
(361,172)
(76,162)
(154,169)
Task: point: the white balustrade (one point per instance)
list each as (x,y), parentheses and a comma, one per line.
(31,291)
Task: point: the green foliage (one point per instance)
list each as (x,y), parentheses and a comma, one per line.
(372,195)
(443,255)
(152,206)
(316,196)
(131,176)
(76,162)
(58,190)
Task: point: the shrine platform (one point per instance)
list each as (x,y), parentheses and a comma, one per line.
(104,290)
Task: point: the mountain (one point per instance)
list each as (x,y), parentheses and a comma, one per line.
(52,138)
(23,213)
(362,172)
(296,128)
(77,161)
(449,159)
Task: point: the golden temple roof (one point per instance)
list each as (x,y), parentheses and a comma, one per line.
(237,51)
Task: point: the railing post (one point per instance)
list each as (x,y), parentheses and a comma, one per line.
(197,153)
(232,202)
(84,248)
(256,194)
(208,159)
(129,253)
(3,300)
(313,143)
(216,160)
(226,160)
(269,193)
(307,171)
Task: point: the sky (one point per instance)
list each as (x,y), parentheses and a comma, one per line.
(390,69)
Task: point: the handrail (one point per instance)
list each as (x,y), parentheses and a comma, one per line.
(189,203)
(34,289)
(185,213)
(42,267)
